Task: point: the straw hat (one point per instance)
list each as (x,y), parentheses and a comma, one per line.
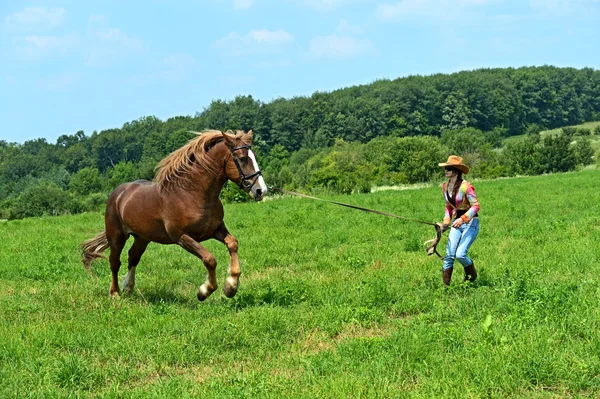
(456,162)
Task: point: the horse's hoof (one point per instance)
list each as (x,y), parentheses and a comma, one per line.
(230,288)
(114,294)
(203,293)
(201,297)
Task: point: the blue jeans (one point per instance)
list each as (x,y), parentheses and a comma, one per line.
(459,241)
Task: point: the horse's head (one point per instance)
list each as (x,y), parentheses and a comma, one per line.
(241,165)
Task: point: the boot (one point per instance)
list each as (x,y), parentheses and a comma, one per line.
(470,273)
(447,275)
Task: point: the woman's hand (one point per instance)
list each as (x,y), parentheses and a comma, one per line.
(457,223)
(442,226)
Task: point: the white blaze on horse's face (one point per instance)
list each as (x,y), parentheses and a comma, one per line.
(259,189)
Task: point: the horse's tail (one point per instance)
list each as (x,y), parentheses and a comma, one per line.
(92,249)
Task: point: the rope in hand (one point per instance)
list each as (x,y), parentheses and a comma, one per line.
(432,244)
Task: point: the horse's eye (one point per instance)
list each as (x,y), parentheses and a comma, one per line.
(244,159)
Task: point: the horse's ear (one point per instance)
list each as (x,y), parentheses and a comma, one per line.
(249,136)
(229,139)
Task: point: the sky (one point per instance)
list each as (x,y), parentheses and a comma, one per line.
(70,65)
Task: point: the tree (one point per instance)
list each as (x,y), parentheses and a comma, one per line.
(583,151)
(45,198)
(464,141)
(556,155)
(87,180)
(522,157)
(456,113)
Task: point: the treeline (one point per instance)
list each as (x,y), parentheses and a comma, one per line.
(387,132)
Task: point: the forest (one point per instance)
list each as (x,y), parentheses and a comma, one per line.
(388,132)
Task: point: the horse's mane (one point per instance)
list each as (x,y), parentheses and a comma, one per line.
(174,168)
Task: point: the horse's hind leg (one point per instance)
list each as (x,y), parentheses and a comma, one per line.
(135,253)
(117,241)
(233,280)
(193,247)
(116,238)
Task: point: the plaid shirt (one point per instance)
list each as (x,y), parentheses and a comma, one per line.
(465,201)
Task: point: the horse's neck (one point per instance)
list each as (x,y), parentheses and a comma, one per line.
(203,184)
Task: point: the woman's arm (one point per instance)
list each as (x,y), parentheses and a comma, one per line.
(472,198)
(449,208)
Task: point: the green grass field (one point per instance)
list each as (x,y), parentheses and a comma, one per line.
(333,303)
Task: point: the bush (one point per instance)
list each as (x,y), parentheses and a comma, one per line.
(495,136)
(522,157)
(597,130)
(405,160)
(86,180)
(583,152)
(584,131)
(232,193)
(533,129)
(463,141)
(556,155)
(46,198)
(123,172)
(569,131)
(485,164)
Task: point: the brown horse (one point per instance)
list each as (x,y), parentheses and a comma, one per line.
(181,207)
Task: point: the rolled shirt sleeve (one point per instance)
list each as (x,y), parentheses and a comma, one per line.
(472,200)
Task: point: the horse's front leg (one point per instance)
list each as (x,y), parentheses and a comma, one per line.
(233,280)
(192,246)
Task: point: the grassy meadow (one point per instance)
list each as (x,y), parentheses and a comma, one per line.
(333,303)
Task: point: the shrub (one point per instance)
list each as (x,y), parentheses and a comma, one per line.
(522,157)
(232,193)
(85,181)
(569,131)
(463,141)
(533,129)
(123,172)
(46,198)
(583,152)
(556,155)
(584,131)
(407,159)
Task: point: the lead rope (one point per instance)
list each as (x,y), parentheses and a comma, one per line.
(432,244)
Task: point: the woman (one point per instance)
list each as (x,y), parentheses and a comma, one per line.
(461,209)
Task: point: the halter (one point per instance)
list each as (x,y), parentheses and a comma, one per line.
(245,183)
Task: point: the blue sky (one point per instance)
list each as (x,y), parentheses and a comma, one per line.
(69,65)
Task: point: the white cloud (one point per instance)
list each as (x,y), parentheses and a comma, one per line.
(34,18)
(174,68)
(427,9)
(549,5)
(335,46)
(115,36)
(242,4)
(109,46)
(346,28)
(272,37)
(96,19)
(40,45)
(254,42)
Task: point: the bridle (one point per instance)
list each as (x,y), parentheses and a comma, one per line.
(247,181)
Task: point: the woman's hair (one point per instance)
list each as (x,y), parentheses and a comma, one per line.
(458,181)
